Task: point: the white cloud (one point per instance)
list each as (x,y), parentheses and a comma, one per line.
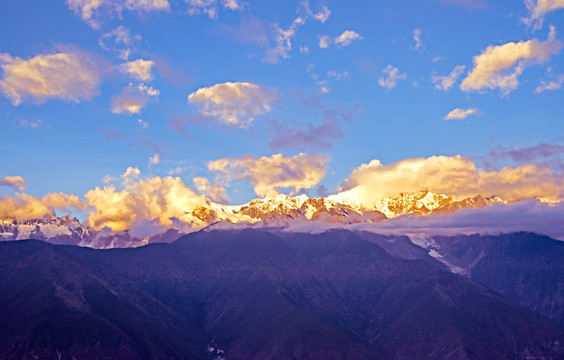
(144,124)
(444,83)
(177,171)
(269,174)
(155,159)
(233,103)
(91,10)
(552,33)
(210,7)
(460,114)
(304,49)
(538,9)
(15,182)
(139,69)
(345,39)
(550,85)
(325,41)
(124,42)
(452,175)
(214,191)
(233,4)
(417,39)
(32,124)
(392,77)
(283,38)
(500,66)
(133,98)
(69,76)
(322,15)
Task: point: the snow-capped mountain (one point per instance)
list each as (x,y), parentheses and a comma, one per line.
(426,202)
(58,230)
(280,210)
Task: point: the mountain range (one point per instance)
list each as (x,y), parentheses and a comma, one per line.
(278,211)
(273,294)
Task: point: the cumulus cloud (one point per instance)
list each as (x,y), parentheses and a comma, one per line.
(391,78)
(133,98)
(233,103)
(270,174)
(500,66)
(417,38)
(233,4)
(444,83)
(25,207)
(345,39)
(91,10)
(123,41)
(162,199)
(140,70)
(325,41)
(538,9)
(210,7)
(453,175)
(15,182)
(70,76)
(460,114)
(550,85)
(214,191)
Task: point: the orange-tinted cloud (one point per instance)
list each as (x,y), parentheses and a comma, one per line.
(233,103)
(133,98)
(500,66)
(214,191)
(70,76)
(268,174)
(26,207)
(141,199)
(140,70)
(460,114)
(15,182)
(91,10)
(453,175)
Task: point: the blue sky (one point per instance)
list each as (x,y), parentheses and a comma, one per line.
(337,101)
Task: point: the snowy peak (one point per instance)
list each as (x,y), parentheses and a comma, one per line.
(426,202)
(62,230)
(279,211)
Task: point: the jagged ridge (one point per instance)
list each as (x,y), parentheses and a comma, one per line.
(279,210)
